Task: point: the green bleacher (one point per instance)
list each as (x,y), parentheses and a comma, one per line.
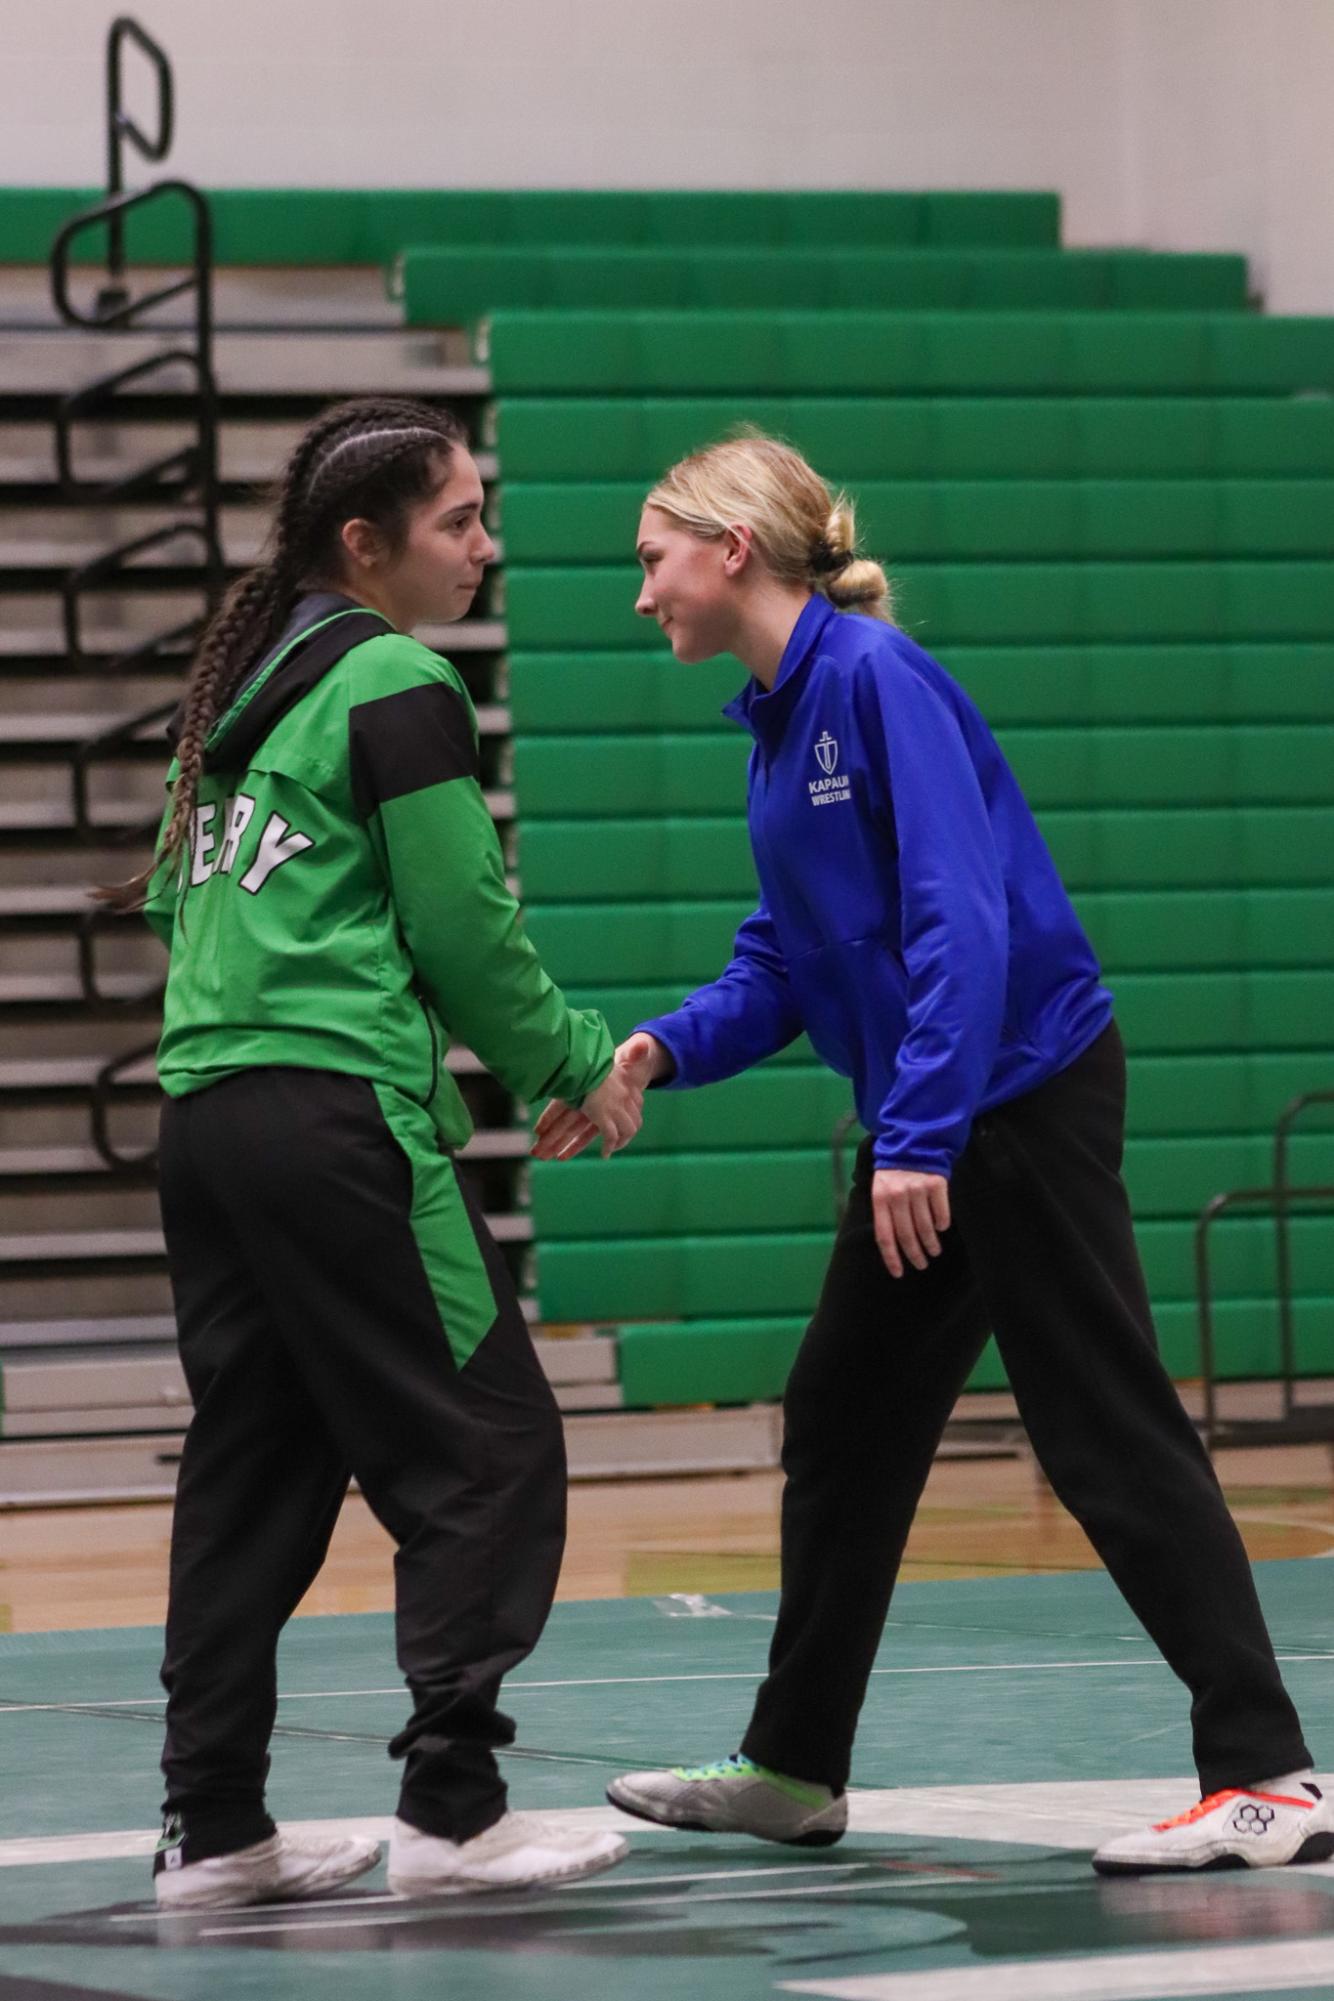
(1139,930)
(908,353)
(942,605)
(1093,685)
(959,520)
(927,438)
(566,860)
(1104,488)
(454,285)
(1116,527)
(648,775)
(312,226)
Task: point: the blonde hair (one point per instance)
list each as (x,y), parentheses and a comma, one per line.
(805,533)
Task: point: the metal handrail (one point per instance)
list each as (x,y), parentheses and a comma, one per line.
(99,569)
(193,469)
(199,281)
(121,129)
(105,1003)
(1208,1216)
(1283,1126)
(124,731)
(85,402)
(112,211)
(100,1108)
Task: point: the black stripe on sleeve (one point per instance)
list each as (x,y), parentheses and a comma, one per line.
(405,742)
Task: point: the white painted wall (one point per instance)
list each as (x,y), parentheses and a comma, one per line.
(1193,124)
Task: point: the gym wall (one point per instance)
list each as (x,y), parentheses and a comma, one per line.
(1184,124)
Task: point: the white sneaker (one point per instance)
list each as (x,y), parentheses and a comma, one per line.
(516,1851)
(1255,1827)
(286,1865)
(735,1796)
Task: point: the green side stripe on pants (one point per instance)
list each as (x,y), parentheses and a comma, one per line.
(441,1226)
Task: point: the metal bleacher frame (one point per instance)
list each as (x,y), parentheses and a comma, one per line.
(989,1418)
(1295,1421)
(186,477)
(80,1436)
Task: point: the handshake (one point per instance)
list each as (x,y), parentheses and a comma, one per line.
(615,1110)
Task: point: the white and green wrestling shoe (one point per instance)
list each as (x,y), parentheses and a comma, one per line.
(1245,1827)
(735,1796)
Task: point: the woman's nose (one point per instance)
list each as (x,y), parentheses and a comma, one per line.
(644,604)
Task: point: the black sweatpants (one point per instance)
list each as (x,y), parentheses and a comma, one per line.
(1042,1251)
(299,1232)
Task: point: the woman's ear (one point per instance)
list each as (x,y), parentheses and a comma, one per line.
(363,544)
(738,542)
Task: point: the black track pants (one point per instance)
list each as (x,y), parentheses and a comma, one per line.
(314,1253)
(1042,1251)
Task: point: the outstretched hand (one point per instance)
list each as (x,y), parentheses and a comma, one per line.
(614,1109)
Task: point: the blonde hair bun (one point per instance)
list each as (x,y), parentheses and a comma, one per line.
(862,586)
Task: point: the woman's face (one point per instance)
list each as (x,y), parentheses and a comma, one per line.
(435,575)
(686,587)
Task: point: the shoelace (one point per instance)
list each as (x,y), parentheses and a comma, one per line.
(1211,1801)
(726,1768)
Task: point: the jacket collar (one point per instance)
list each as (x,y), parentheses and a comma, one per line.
(764,711)
(286,671)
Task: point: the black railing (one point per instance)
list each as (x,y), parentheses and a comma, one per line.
(193,468)
(1295,1420)
(103,1094)
(184,477)
(122,130)
(176,380)
(1283,1194)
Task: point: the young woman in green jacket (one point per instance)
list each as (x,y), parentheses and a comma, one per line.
(332,891)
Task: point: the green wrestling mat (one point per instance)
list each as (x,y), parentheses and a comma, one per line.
(1011,1724)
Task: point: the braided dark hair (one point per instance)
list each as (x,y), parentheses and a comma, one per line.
(374,458)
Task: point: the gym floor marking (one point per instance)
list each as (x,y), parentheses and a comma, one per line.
(1122,1976)
(1075,1814)
(613,1898)
(153,1703)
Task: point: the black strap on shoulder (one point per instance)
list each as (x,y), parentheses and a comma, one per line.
(294,677)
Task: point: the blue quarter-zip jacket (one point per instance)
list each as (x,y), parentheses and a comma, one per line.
(911,919)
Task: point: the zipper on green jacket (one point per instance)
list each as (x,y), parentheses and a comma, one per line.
(429,1019)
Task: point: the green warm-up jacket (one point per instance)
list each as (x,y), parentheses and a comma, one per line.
(344,904)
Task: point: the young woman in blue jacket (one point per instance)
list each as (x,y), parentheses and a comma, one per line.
(912,923)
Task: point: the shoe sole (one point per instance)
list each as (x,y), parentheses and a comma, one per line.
(456,1886)
(284,1894)
(1316,1848)
(818,1837)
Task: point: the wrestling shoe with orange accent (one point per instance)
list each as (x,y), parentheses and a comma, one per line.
(1245,1827)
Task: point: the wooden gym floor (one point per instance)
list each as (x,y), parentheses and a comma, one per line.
(84,1567)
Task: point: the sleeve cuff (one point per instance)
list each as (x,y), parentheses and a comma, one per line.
(883,1155)
(661,1030)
